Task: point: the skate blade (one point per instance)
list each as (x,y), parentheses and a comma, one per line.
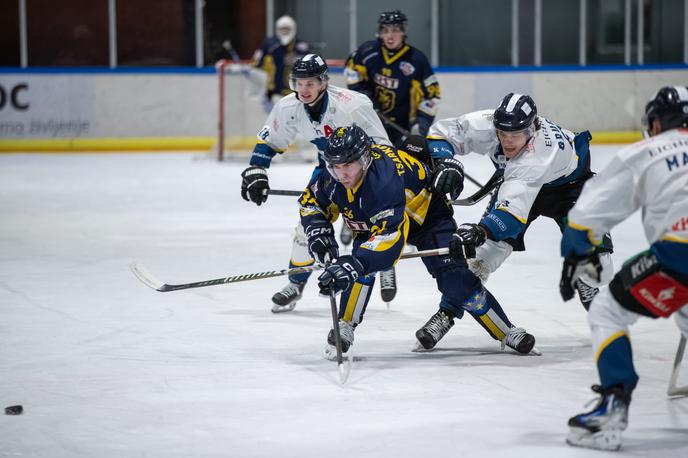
(535,352)
(418,348)
(283,308)
(602,440)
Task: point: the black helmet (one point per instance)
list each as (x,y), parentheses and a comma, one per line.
(670,106)
(395,17)
(310,66)
(347,144)
(516,112)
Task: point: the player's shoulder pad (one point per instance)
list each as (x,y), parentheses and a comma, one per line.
(368,48)
(384,169)
(347,100)
(288,102)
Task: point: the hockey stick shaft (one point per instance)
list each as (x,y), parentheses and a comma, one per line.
(149,280)
(284,192)
(493,182)
(674,390)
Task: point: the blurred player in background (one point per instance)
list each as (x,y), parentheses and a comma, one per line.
(276,57)
(397,77)
(544,169)
(311,113)
(384,194)
(651,175)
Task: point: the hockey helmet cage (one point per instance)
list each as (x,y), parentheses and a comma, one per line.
(347,144)
(516,112)
(669,106)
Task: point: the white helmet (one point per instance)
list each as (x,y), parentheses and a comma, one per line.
(285,29)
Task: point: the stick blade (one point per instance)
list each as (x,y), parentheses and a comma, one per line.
(345,366)
(146,277)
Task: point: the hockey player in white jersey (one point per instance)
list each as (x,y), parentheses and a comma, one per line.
(651,175)
(311,113)
(544,168)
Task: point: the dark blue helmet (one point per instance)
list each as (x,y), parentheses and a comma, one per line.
(310,66)
(395,17)
(516,112)
(347,144)
(670,106)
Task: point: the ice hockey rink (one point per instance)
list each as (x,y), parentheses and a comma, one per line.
(106,367)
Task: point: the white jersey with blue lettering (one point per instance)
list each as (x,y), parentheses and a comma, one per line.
(289,120)
(651,174)
(548,156)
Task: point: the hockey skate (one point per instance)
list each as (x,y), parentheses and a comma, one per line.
(433,331)
(346,334)
(586,293)
(519,340)
(601,427)
(388,285)
(285,300)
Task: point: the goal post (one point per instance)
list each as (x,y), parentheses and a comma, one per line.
(240,112)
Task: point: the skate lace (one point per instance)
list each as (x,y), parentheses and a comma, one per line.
(438,325)
(291,290)
(388,279)
(586,291)
(514,337)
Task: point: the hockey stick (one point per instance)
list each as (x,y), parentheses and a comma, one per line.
(674,390)
(477,196)
(149,280)
(344,369)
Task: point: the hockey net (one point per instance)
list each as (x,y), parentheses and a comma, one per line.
(240,108)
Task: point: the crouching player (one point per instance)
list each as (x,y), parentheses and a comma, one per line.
(386,197)
(651,175)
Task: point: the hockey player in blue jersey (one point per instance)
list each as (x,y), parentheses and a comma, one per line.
(384,195)
(396,76)
(276,57)
(310,113)
(651,175)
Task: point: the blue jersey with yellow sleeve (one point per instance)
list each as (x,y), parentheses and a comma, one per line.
(277,60)
(390,204)
(401,84)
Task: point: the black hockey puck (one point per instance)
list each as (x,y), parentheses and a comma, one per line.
(14,410)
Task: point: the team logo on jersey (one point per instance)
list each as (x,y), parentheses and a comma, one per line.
(358,226)
(383,214)
(385,81)
(385,99)
(328,130)
(406,68)
(265,133)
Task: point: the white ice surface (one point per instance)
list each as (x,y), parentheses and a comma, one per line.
(106,367)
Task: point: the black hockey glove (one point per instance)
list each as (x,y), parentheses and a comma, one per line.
(340,275)
(574,267)
(321,242)
(447,177)
(254,185)
(465,240)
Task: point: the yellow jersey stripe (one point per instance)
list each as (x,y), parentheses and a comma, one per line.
(608,341)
